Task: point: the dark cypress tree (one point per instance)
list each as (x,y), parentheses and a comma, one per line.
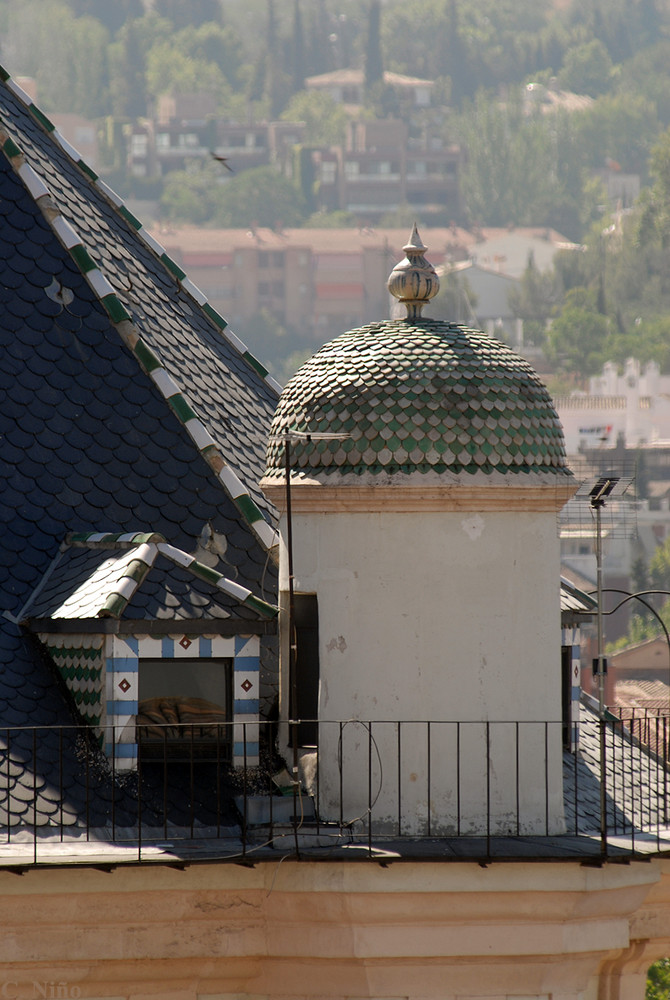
(277,82)
(112,15)
(374,66)
(453,60)
(298,67)
(319,56)
(194,12)
(129,86)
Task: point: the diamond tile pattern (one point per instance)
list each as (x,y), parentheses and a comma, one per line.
(418,396)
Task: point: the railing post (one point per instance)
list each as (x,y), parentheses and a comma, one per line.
(139,805)
(244,790)
(192,779)
(488,790)
(603,790)
(341,769)
(458,779)
(399,769)
(88,787)
(60,783)
(165,781)
(35,796)
(665,769)
(370,788)
(546,779)
(428,774)
(517,790)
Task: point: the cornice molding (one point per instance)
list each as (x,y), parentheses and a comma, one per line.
(312,498)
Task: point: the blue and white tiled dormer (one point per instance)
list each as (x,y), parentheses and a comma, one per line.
(237,658)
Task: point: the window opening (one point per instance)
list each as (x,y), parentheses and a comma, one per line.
(306,625)
(185,709)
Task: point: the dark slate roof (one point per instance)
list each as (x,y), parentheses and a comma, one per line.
(125,407)
(636,780)
(574,601)
(86,432)
(90,582)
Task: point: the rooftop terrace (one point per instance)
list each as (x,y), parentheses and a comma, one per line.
(63,803)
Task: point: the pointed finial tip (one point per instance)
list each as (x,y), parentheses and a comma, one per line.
(415,241)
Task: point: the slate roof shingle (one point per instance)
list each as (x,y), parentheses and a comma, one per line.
(125,406)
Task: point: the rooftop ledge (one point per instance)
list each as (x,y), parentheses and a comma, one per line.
(417,791)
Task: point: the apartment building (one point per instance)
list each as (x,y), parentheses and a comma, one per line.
(186,129)
(380,167)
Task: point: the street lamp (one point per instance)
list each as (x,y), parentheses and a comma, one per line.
(605,488)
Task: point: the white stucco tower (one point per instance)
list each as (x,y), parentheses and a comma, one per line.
(424,525)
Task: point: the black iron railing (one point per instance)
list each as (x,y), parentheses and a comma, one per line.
(465,789)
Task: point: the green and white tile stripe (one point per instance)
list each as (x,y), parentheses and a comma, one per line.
(148,544)
(217,579)
(111,539)
(196,294)
(145,355)
(129,582)
(188,286)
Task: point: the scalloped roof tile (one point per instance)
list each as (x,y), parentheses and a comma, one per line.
(418,396)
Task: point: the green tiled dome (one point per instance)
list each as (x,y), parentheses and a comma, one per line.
(417,395)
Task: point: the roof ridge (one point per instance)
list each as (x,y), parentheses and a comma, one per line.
(138,227)
(147,358)
(209,575)
(137,551)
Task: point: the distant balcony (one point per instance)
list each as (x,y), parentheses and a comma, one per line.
(376,790)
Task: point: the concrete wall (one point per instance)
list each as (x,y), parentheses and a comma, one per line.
(446,616)
(332,931)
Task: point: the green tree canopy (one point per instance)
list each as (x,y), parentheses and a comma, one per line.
(587,69)
(520,168)
(578,335)
(325,120)
(620,128)
(260,196)
(202,195)
(374,66)
(171,70)
(534,300)
(658,980)
(67,55)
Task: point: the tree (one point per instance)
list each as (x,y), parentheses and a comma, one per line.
(587,69)
(195,12)
(659,567)
(520,168)
(455,300)
(192,195)
(260,196)
(534,299)
(171,70)
(298,55)
(325,120)
(128,68)
(645,75)
(619,128)
(578,335)
(112,15)
(66,55)
(374,66)
(658,980)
